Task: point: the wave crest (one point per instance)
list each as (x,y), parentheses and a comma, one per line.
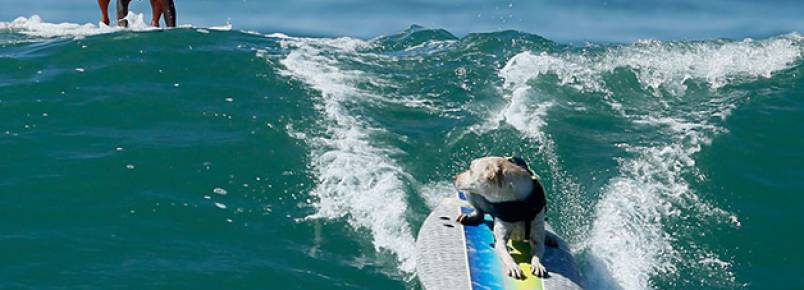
(357,180)
(637,226)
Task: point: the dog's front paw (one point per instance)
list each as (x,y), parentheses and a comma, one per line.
(469,219)
(514,271)
(537,268)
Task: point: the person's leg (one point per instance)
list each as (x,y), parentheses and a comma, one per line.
(156,12)
(122,11)
(104,8)
(169,11)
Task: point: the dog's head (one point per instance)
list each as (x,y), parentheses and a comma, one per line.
(496,179)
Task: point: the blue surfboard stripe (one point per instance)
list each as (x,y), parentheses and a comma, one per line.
(483,261)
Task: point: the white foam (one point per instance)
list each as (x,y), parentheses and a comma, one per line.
(35,26)
(527,111)
(433,193)
(357,180)
(431,47)
(717,64)
(572,70)
(630,234)
(651,191)
(278,35)
(658,64)
(627,233)
(225,27)
(628,239)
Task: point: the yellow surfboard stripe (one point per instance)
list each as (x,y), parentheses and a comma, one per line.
(520,251)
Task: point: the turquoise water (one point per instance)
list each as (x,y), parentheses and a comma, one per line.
(563,21)
(205,159)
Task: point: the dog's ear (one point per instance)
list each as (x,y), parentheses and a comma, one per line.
(495,175)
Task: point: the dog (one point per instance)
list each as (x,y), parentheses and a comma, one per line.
(512,194)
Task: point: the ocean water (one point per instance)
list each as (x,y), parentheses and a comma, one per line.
(213,157)
(563,21)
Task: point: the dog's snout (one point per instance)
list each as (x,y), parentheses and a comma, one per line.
(457,178)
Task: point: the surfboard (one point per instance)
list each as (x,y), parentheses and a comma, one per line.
(451,256)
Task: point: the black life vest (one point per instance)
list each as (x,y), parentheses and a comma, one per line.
(520,210)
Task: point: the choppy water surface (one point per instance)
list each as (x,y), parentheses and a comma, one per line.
(215,158)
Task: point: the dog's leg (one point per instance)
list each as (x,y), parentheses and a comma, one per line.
(502,233)
(476,216)
(537,239)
